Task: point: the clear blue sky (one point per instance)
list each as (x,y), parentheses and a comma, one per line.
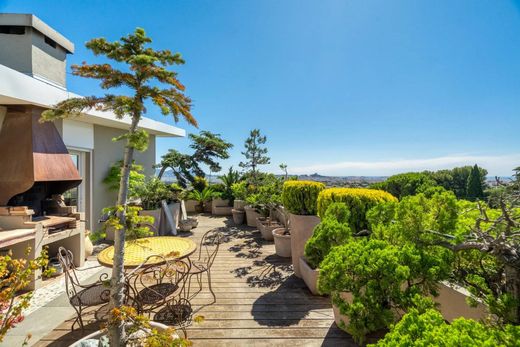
(339,87)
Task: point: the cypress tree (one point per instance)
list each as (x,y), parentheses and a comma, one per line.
(474,188)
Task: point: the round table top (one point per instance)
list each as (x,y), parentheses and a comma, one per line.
(137,251)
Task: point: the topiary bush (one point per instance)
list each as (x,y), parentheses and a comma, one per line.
(300,197)
(358,201)
(333,230)
(429,329)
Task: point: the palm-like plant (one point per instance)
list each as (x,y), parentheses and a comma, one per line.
(232,177)
(201,197)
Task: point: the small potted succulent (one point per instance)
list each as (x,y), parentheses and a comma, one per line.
(333,230)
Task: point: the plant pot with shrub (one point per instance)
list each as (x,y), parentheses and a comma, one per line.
(201,197)
(151,193)
(333,230)
(299,200)
(239,190)
(266,226)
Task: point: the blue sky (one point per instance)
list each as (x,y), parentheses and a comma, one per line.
(339,87)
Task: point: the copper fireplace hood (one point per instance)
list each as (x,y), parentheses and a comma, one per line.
(34,162)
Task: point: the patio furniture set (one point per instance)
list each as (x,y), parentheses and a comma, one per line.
(157,282)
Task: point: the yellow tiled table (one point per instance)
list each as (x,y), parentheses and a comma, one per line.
(137,251)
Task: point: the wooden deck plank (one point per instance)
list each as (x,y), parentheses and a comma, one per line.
(259,300)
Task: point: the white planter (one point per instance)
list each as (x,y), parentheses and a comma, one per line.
(238,216)
(282,243)
(302,228)
(340,319)
(251,216)
(309,276)
(98,334)
(453,305)
(190,205)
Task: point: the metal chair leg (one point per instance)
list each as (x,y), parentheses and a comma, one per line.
(210,288)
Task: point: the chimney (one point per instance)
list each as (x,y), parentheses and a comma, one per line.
(30,46)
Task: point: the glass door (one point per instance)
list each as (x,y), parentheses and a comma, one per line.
(76,196)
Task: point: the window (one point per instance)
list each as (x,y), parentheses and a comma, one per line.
(50,42)
(12,29)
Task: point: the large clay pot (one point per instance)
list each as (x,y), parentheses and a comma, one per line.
(239,204)
(301,230)
(340,319)
(251,216)
(266,228)
(282,243)
(238,216)
(309,276)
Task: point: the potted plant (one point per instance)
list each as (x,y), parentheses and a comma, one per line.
(282,235)
(201,197)
(151,194)
(299,199)
(333,230)
(239,191)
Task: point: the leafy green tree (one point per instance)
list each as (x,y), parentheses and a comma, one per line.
(207,148)
(255,153)
(182,166)
(144,73)
(474,188)
(456,179)
(406,184)
(136,178)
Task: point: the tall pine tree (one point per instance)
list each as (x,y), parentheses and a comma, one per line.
(255,153)
(474,189)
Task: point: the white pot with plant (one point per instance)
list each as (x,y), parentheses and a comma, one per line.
(300,201)
(201,197)
(143,68)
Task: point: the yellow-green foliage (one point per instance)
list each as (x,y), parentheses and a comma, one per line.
(299,197)
(358,201)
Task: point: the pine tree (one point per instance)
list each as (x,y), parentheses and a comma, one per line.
(144,72)
(254,153)
(474,189)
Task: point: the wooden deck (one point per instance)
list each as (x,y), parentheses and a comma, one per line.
(259,300)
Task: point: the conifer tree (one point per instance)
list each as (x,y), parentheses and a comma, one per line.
(255,153)
(143,71)
(474,188)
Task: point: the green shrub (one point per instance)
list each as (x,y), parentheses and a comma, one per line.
(299,197)
(152,192)
(406,184)
(239,190)
(333,230)
(135,179)
(358,201)
(429,329)
(199,183)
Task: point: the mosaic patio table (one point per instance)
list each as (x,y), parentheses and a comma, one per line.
(137,251)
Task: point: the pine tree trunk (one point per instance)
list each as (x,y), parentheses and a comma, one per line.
(161,173)
(116,333)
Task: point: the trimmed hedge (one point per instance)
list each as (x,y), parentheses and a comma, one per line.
(299,197)
(358,201)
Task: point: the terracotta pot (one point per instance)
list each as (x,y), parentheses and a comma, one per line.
(156,214)
(309,276)
(282,243)
(301,230)
(251,216)
(340,319)
(238,216)
(265,229)
(239,204)
(89,246)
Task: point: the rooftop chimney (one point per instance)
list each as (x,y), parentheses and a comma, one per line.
(32,47)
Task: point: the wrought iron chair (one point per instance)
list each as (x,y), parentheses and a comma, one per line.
(82,296)
(159,291)
(208,249)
